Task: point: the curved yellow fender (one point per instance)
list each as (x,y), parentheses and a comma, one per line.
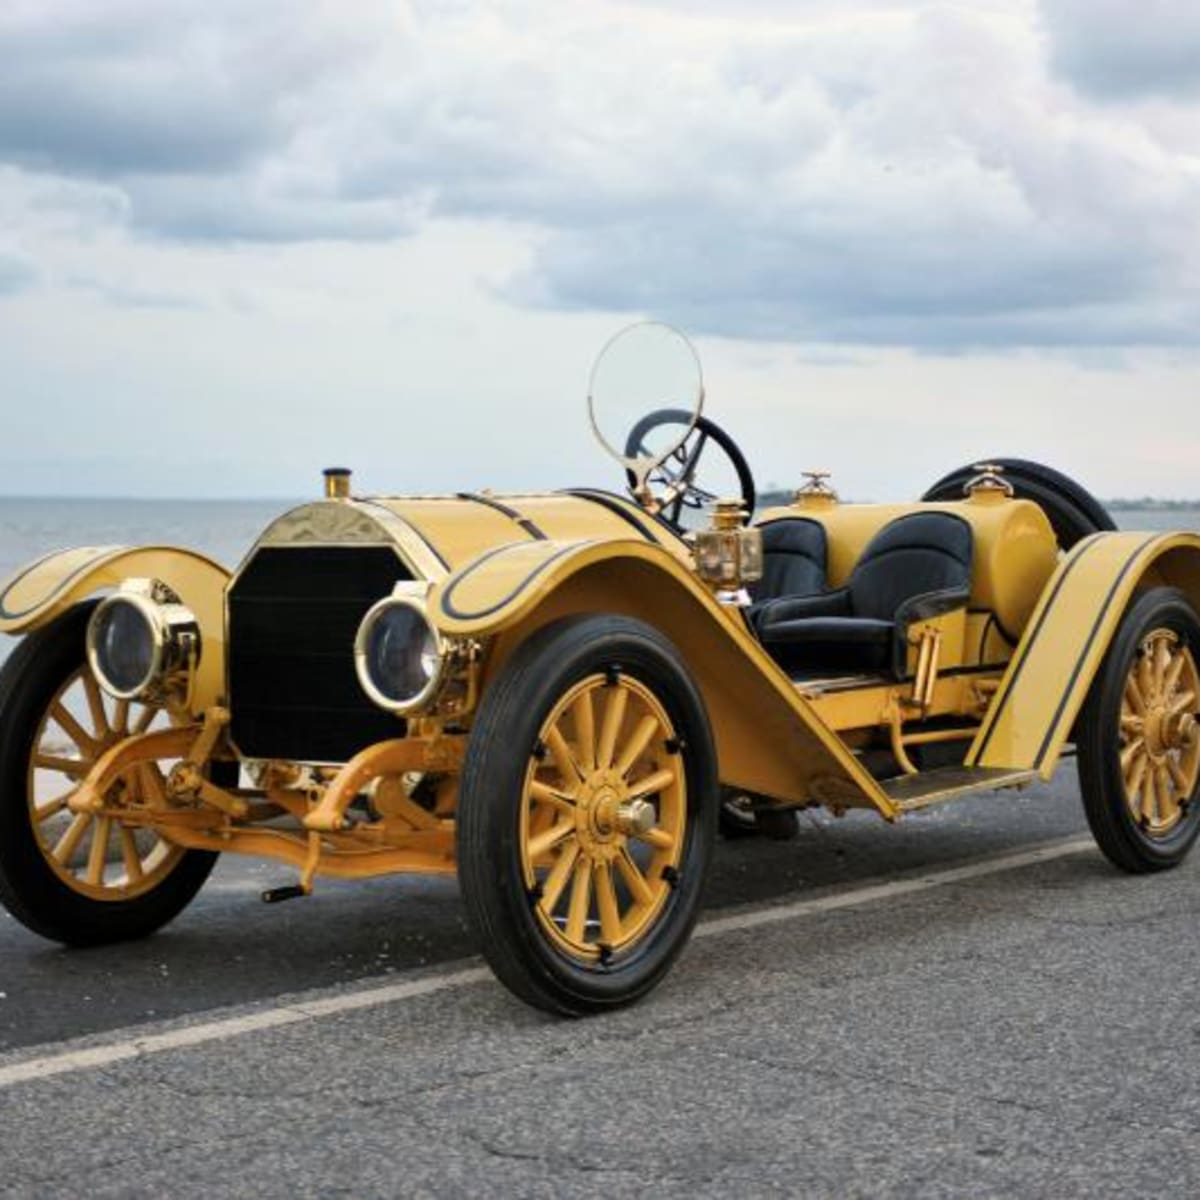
(43,590)
(769,738)
(1048,680)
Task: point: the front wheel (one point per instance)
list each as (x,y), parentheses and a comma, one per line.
(1139,737)
(79,879)
(587,810)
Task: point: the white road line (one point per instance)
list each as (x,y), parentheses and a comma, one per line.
(92,1057)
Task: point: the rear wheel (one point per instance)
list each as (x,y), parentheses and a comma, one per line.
(1139,737)
(80,879)
(586,815)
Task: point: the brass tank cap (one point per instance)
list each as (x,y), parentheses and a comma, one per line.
(816,491)
(337,483)
(989,485)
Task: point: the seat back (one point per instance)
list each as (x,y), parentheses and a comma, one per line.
(920,553)
(795,559)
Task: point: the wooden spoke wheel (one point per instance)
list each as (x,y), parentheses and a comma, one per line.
(586,814)
(1160,737)
(1139,737)
(603,817)
(95,855)
(81,879)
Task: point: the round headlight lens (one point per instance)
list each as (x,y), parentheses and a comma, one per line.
(124,647)
(401,655)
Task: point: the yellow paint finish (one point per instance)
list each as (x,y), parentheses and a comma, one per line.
(1015,549)
(458,529)
(43,591)
(1049,677)
(769,739)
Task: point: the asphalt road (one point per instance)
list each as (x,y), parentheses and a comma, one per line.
(1030,1030)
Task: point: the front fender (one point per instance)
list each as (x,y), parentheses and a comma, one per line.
(43,590)
(769,739)
(1047,682)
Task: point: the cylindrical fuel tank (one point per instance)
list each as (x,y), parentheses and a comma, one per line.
(1015,549)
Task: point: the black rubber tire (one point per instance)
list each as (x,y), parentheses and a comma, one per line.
(29,889)
(504,733)
(1073,511)
(1117,833)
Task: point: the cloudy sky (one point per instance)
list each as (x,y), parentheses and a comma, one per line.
(240,240)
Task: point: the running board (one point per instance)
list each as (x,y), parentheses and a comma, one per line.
(911,792)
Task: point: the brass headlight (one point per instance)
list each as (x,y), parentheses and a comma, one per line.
(142,640)
(400,657)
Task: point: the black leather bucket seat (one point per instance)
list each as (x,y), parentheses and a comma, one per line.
(916,568)
(795,562)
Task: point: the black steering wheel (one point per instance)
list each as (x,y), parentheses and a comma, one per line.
(689,493)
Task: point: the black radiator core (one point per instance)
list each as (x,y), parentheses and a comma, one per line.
(293,614)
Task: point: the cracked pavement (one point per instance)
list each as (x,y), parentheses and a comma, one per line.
(1034,1032)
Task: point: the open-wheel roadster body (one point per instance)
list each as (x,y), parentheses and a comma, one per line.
(562,697)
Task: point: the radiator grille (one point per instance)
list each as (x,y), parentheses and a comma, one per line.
(293,614)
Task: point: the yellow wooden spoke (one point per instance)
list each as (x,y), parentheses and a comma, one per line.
(1145,677)
(635,881)
(66,845)
(76,768)
(606,903)
(50,808)
(1136,778)
(584,716)
(543,843)
(556,881)
(660,839)
(1174,673)
(1136,747)
(643,735)
(1150,798)
(1162,664)
(581,896)
(563,760)
(1179,775)
(658,782)
(614,716)
(98,854)
(1133,695)
(72,728)
(130,854)
(1168,809)
(550,795)
(1182,703)
(144,721)
(96,706)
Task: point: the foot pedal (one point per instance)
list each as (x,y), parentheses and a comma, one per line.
(278,895)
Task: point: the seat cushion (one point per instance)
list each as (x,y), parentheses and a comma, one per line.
(830,643)
(915,555)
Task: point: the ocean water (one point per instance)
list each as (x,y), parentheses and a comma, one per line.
(225,529)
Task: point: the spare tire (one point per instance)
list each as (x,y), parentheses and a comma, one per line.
(1072,510)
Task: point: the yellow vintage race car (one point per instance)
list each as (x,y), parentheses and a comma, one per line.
(561,698)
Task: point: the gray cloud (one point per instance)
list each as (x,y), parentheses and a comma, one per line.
(885,172)
(1114,49)
(16,273)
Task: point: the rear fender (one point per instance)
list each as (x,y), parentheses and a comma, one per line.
(45,589)
(1043,691)
(769,739)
